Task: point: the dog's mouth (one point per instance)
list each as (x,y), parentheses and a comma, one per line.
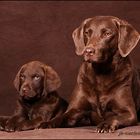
(93,58)
(30,99)
(94,55)
(28,95)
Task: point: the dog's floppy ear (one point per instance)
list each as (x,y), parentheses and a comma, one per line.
(51,80)
(17,79)
(78,37)
(128,38)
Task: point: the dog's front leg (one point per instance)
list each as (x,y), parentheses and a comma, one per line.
(12,122)
(124,112)
(3,120)
(69,119)
(29,124)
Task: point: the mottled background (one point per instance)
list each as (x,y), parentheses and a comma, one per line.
(41,30)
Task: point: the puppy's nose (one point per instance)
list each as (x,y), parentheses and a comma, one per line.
(89,51)
(25,89)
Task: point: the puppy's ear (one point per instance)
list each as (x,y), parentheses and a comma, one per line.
(17,79)
(128,38)
(78,37)
(51,80)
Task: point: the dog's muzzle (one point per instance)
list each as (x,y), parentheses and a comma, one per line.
(89,51)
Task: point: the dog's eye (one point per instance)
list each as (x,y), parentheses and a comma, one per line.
(22,77)
(88,32)
(107,34)
(36,77)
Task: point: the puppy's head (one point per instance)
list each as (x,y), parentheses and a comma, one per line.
(98,38)
(35,79)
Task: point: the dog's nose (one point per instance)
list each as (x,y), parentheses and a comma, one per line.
(25,89)
(89,51)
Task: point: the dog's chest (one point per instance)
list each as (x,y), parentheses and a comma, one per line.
(99,103)
(100,94)
(104,83)
(33,113)
(41,110)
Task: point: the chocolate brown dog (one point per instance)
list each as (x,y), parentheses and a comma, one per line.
(108,86)
(38,100)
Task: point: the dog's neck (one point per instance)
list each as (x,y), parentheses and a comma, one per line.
(110,66)
(43,98)
(29,102)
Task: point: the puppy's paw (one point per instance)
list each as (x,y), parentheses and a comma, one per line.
(2,124)
(2,128)
(106,127)
(18,128)
(44,125)
(10,127)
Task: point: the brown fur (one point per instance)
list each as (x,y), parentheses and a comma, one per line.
(38,99)
(108,86)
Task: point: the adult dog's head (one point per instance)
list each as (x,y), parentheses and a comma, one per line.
(98,38)
(35,79)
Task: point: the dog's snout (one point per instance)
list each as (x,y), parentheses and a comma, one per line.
(89,51)
(25,89)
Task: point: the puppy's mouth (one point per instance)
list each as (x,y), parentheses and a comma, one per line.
(27,95)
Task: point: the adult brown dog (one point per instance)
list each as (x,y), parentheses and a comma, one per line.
(38,100)
(108,86)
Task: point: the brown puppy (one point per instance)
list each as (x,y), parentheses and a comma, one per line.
(38,100)
(108,86)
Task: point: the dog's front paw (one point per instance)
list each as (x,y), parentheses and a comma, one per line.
(10,127)
(3,123)
(23,126)
(44,125)
(106,127)
(2,127)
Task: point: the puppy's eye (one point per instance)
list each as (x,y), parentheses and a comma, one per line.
(36,77)
(86,33)
(22,77)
